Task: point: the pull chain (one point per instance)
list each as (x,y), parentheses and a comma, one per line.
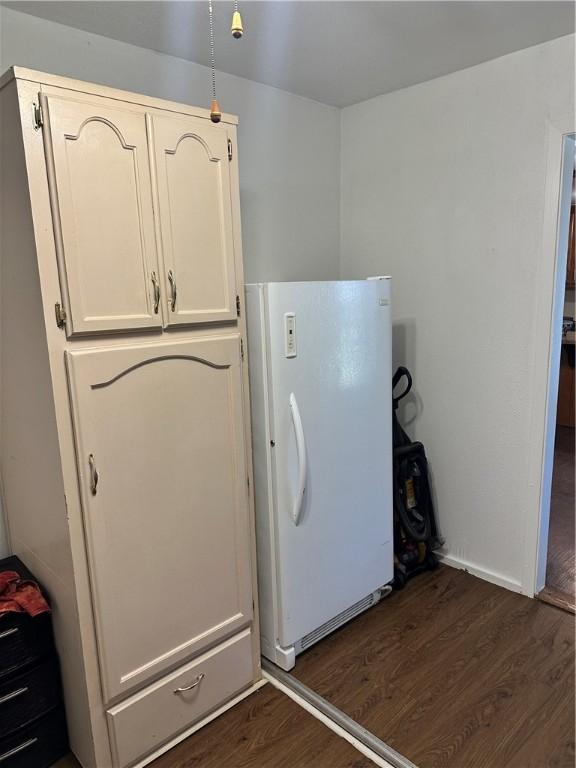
(237,29)
(215,113)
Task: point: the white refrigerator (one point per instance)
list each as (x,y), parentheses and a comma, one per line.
(320,384)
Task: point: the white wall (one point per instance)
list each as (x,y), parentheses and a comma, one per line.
(443,188)
(288,146)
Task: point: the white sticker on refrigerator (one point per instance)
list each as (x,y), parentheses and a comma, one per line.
(290,334)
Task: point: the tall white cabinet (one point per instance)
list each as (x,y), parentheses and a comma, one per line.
(124,442)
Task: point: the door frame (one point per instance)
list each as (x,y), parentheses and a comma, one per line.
(545,363)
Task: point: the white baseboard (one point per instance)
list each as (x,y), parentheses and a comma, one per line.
(482,573)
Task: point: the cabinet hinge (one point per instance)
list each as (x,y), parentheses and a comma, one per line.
(60,315)
(237,305)
(242,348)
(38,116)
(230,149)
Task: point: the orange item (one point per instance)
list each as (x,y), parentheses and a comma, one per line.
(20,595)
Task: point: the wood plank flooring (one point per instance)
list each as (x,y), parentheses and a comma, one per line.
(266,730)
(455,672)
(561,565)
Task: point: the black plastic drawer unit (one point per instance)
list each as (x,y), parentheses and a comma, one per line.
(32,721)
(27,696)
(37,745)
(23,640)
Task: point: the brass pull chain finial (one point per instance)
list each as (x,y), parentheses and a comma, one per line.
(215,113)
(236,29)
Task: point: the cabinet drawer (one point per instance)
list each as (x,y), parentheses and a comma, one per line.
(158,713)
(37,746)
(23,640)
(25,697)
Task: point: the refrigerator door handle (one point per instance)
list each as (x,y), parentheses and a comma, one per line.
(302,459)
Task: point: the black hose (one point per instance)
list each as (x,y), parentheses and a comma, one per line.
(401,373)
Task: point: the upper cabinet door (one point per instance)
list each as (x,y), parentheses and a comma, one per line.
(98,165)
(195,215)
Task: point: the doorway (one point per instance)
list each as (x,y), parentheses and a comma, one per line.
(560,588)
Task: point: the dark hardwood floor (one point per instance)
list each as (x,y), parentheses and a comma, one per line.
(561,564)
(452,672)
(266,730)
(455,672)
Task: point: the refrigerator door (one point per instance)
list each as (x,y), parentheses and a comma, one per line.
(330,374)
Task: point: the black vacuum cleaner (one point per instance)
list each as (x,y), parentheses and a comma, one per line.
(415,532)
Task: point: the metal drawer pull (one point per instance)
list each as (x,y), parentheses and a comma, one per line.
(156,285)
(16,750)
(196,682)
(172,281)
(93,475)
(13,695)
(7,632)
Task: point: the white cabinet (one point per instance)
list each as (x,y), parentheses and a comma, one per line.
(124,441)
(160,448)
(102,157)
(97,155)
(196,235)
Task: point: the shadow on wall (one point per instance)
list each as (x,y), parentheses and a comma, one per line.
(4,551)
(410,409)
(404,353)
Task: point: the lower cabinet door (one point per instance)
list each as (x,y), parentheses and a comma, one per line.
(161,464)
(165,709)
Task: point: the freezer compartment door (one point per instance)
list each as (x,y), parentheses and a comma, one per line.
(330,389)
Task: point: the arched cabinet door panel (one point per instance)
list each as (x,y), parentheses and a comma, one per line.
(161,464)
(195,217)
(101,196)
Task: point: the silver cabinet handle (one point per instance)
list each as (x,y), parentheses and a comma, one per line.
(13,695)
(8,632)
(93,475)
(16,750)
(172,281)
(156,285)
(196,682)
